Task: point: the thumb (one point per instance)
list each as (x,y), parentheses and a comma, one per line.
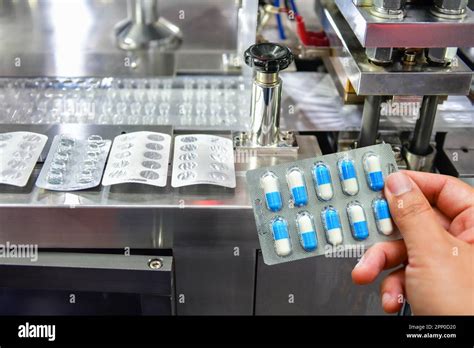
(412,213)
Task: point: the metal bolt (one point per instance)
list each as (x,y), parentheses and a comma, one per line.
(441,55)
(389,5)
(379,55)
(155,263)
(453,7)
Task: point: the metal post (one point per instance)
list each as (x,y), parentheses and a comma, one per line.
(370,121)
(420,144)
(267,60)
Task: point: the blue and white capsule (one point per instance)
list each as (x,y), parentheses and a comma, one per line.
(323,182)
(271,188)
(348,175)
(281,236)
(297,186)
(373,171)
(332,225)
(383,219)
(307,232)
(357,221)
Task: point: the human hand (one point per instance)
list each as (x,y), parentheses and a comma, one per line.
(435,215)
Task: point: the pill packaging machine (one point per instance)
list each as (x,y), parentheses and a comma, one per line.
(164,249)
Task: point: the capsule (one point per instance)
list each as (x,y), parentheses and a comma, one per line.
(332,225)
(271,188)
(382,215)
(297,187)
(323,183)
(373,171)
(357,220)
(348,176)
(281,237)
(307,232)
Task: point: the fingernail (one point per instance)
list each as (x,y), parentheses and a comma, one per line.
(386,298)
(361,262)
(398,183)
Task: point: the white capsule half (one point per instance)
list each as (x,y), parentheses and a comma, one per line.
(295,179)
(373,164)
(334,236)
(356,213)
(385,226)
(269,184)
(283,247)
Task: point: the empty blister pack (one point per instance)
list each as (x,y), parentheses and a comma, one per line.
(322,205)
(139,157)
(74,164)
(203,159)
(19,152)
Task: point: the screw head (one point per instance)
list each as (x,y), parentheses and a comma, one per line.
(155,263)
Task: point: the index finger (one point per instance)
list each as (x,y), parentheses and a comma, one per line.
(450,195)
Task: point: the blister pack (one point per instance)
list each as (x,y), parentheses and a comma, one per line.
(139,157)
(319,206)
(74,164)
(19,152)
(203,159)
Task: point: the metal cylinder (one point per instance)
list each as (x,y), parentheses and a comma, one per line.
(265,109)
(370,121)
(143,11)
(419,163)
(144,28)
(420,143)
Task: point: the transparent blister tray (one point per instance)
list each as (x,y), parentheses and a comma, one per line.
(203,159)
(19,152)
(74,164)
(139,157)
(268,221)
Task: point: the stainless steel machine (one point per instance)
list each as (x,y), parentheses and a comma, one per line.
(112,67)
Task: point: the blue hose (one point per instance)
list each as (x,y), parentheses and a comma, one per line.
(281,29)
(293,7)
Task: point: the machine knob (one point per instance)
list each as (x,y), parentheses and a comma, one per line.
(268,58)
